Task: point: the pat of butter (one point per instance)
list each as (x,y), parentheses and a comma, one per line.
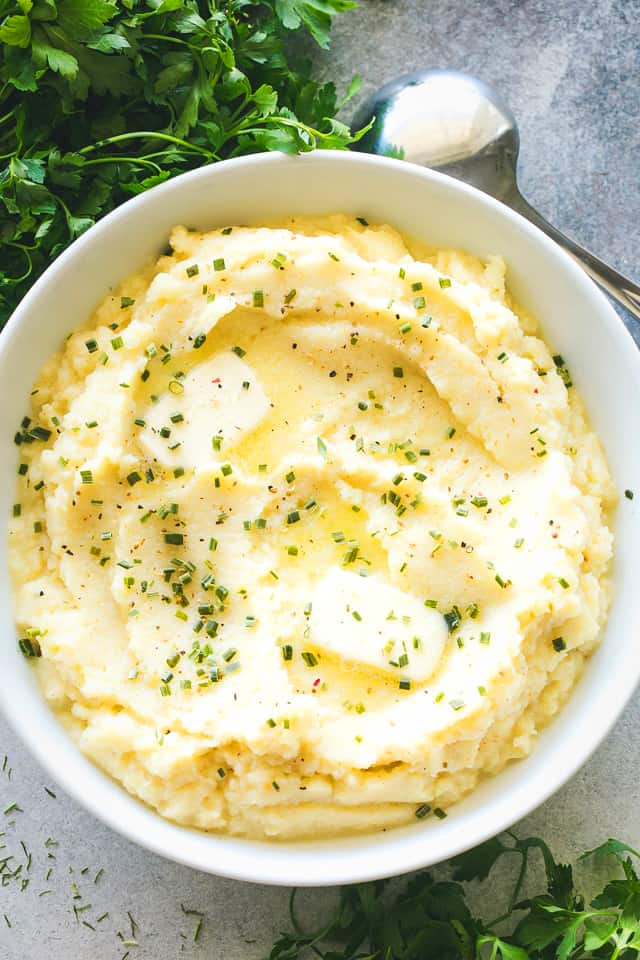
(365,621)
(214,402)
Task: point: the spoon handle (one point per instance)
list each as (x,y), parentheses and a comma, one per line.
(621,288)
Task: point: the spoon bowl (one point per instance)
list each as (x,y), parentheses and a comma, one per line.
(455,123)
(447,121)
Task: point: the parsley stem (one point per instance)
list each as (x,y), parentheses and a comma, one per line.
(140,161)
(147,135)
(25,250)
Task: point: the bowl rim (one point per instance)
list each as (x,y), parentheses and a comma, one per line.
(370,856)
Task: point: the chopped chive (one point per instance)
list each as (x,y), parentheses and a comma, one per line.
(91,345)
(29,647)
(177,539)
(444,282)
(289,297)
(453,618)
(558,644)
(117,343)
(193,270)
(293,516)
(309,658)
(133,478)
(398,372)
(258,298)
(40,433)
(422,811)
(86,476)
(239,352)
(219,264)
(419,303)
(350,556)
(629,494)
(199,340)
(287,652)
(563,370)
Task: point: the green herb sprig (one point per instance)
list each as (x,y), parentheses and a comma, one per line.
(431,919)
(102,99)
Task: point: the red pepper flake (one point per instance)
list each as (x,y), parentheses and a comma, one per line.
(217,380)
(316,681)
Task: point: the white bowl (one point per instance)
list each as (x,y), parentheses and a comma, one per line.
(576,320)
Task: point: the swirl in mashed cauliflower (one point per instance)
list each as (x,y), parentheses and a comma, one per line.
(311,530)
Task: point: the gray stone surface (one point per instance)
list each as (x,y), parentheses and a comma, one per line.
(571,71)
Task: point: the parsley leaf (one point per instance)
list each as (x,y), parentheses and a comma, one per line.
(430,919)
(315,14)
(103,99)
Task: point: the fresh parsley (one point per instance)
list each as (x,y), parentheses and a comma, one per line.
(102,99)
(431,919)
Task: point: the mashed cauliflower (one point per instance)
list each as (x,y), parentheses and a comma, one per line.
(310,532)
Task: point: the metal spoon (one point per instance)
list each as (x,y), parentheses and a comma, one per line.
(454,123)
